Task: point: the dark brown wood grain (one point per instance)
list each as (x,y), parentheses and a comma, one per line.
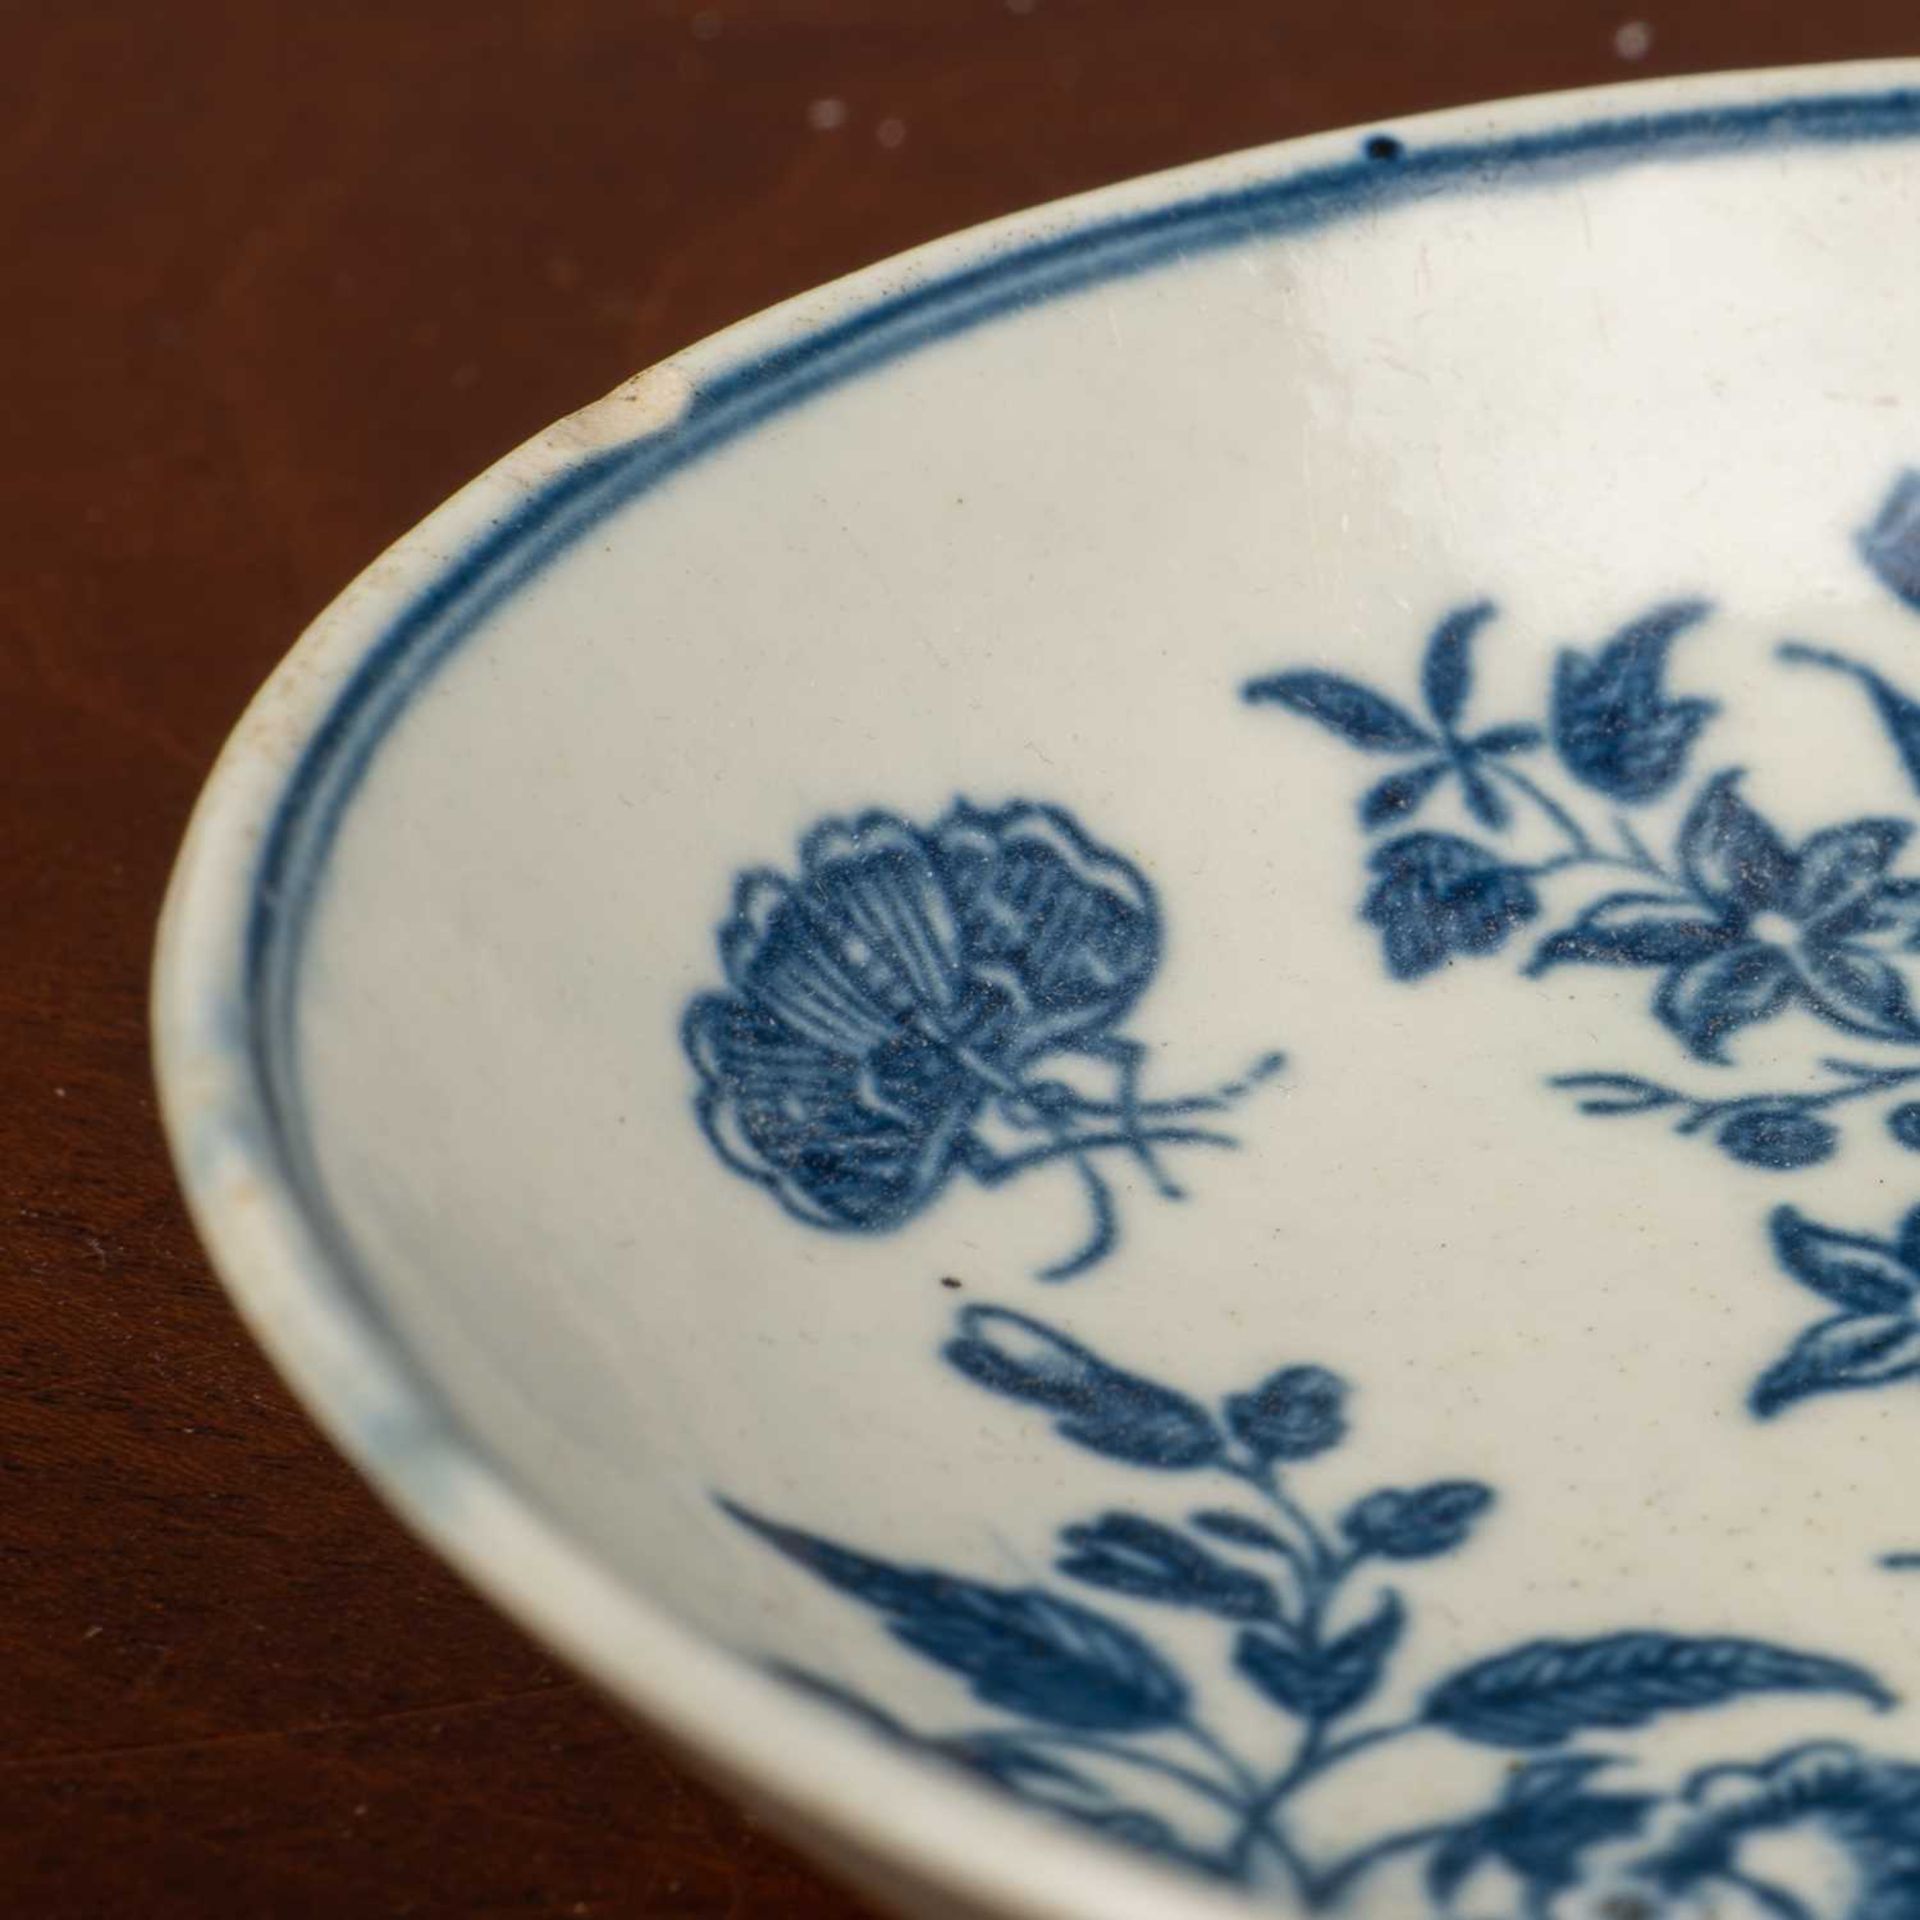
(278,276)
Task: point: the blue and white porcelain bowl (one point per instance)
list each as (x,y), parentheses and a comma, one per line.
(1109,1051)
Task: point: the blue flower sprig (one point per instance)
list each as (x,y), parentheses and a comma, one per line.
(917,1003)
(1437,894)
(1739,924)
(1100,1723)
(1780,1129)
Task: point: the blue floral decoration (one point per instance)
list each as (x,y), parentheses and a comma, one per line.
(1097,1721)
(1782,1129)
(1749,926)
(1614,724)
(1435,751)
(1891,545)
(1872,1338)
(1436,896)
(1738,924)
(889,1009)
(1820,1832)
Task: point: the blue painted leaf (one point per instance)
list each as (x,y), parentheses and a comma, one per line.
(1729,851)
(1321,1683)
(1241,1531)
(1483,799)
(1899,712)
(1850,1351)
(1362,1652)
(1399,794)
(1417,1523)
(1634,930)
(1050,1659)
(878,1582)
(1018,1647)
(1127,1553)
(1861,1275)
(1291,1415)
(1119,1415)
(1508,739)
(1446,676)
(1357,714)
(1285,1676)
(1891,546)
(1703,1004)
(1612,722)
(1609,1093)
(1907,1240)
(1859,991)
(1053,1660)
(1543,1693)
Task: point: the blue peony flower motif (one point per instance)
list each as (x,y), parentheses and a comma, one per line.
(1761,928)
(1518,1860)
(1821,1832)
(1436,895)
(898,993)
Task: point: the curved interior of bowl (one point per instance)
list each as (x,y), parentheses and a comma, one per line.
(681,1186)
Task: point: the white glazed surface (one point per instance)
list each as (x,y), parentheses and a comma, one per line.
(1037,561)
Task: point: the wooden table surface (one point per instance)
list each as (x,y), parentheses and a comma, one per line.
(279,277)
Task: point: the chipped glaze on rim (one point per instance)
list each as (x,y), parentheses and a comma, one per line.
(230,936)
